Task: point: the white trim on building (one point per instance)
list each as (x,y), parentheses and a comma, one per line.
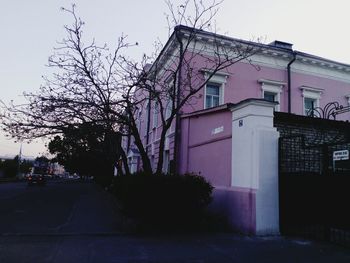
(216,81)
(274,88)
(310,95)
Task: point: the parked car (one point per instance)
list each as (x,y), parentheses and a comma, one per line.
(36,179)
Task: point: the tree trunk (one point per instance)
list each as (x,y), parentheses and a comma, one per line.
(161,148)
(146,163)
(125,162)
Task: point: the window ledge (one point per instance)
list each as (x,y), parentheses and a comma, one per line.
(272,82)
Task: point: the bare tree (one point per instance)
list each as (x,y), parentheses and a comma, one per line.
(99,85)
(87,87)
(193,54)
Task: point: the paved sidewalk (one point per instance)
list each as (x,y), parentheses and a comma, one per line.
(77,222)
(218,248)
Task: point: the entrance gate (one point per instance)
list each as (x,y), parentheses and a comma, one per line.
(314,178)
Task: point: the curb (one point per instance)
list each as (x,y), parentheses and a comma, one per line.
(67,234)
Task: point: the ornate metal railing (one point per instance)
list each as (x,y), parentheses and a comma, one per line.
(330,110)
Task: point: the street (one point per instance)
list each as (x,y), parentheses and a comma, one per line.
(72,221)
(59,207)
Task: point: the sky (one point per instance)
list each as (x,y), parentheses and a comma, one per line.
(29,30)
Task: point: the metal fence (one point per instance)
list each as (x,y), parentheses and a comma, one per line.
(314,185)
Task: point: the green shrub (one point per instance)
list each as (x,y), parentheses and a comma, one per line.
(175,201)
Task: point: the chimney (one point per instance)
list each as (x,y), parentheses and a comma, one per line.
(281,44)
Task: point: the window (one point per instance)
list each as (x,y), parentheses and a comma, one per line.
(214,89)
(166,162)
(155,115)
(133,160)
(271,91)
(212,97)
(146,113)
(347,97)
(309,106)
(311,99)
(153,163)
(139,121)
(270,96)
(168,109)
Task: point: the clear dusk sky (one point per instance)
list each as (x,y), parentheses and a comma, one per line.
(29,31)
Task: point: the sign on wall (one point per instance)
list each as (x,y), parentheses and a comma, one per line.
(341,155)
(217,130)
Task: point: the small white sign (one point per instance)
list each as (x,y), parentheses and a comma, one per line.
(217,130)
(341,155)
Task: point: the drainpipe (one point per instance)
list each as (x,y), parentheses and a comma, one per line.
(177,117)
(290,82)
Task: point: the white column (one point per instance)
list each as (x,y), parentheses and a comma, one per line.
(255,159)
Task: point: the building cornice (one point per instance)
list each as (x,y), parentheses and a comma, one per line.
(271,53)
(311,89)
(272,82)
(219,73)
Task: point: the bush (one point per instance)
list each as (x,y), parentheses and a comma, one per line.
(103,180)
(175,201)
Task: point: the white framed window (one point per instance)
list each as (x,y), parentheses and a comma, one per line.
(348,99)
(168,109)
(139,121)
(155,115)
(212,95)
(271,90)
(270,96)
(310,105)
(133,160)
(153,163)
(311,99)
(214,90)
(166,161)
(147,117)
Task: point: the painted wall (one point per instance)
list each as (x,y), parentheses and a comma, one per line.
(242,164)
(236,149)
(333,90)
(238,205)
(242,82)
(206,146)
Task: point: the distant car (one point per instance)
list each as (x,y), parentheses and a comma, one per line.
(36,179)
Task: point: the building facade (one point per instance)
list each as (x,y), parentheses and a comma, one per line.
(227,135)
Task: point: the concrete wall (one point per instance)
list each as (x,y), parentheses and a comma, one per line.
(236,149)
(238,206)
(206,146)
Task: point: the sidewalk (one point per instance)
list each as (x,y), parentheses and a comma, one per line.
(218,248)
(88,228)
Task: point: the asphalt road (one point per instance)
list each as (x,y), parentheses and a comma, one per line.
(78,222)
(60,207)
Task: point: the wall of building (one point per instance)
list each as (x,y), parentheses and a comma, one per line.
(238,205)
(235,148)
(206,146)
(206,149)
(242,82)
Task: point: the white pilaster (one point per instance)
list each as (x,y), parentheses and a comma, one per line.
(255,159)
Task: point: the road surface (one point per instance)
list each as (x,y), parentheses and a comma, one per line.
(72,221)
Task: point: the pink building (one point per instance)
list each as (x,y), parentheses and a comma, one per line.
(227,132)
